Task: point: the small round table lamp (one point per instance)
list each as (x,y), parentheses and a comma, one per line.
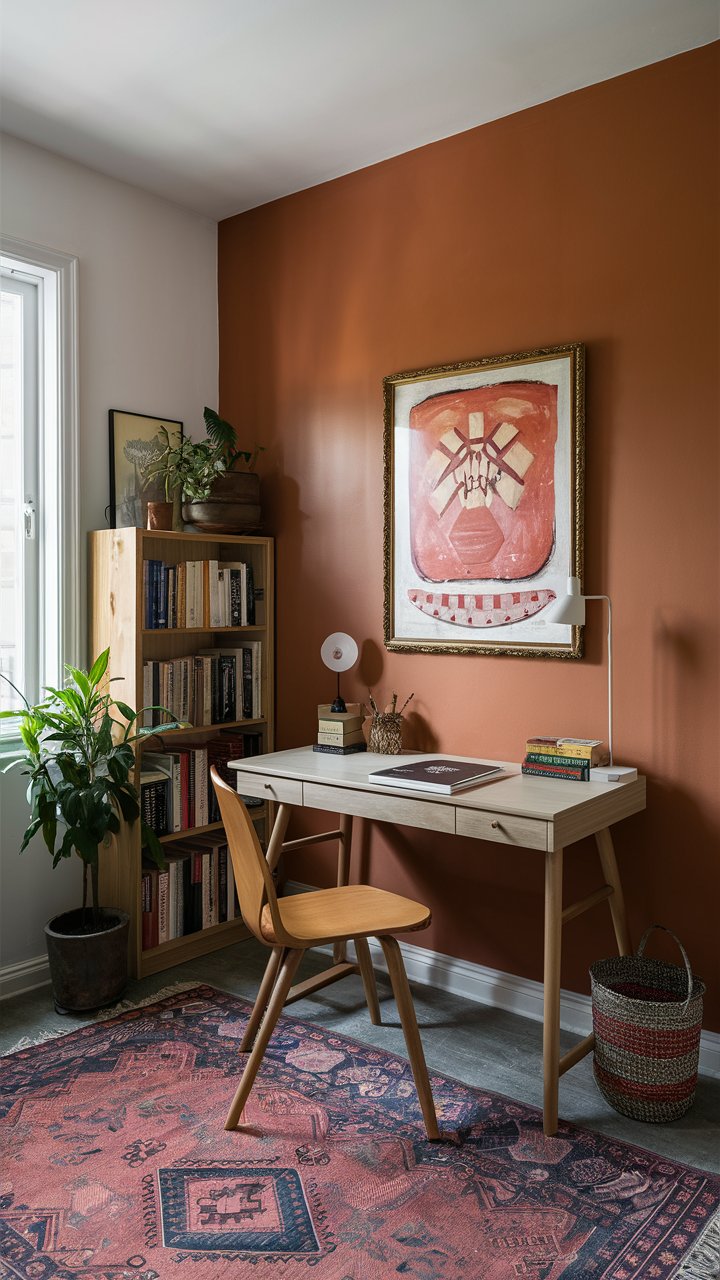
(339,653)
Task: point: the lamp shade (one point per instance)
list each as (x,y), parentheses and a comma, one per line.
(339,651)
(570,608)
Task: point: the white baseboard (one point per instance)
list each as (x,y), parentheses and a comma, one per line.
(506,991)
(431,969)
(16,979)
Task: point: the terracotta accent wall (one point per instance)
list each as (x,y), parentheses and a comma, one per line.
(591,218)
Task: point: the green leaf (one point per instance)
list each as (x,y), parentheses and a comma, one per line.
(126,712)
(152,846)
(99,667)
(32,830)
(80,679)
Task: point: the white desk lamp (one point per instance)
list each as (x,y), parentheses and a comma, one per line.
(570,609)
(339,652)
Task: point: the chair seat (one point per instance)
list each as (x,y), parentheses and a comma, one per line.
(353,911)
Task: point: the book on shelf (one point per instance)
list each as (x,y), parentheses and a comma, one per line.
(591,749)
(214,686)
(198,593)
(155,799)
(439,775)
(231,745)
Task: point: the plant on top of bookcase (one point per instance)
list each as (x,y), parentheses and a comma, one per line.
(78,756)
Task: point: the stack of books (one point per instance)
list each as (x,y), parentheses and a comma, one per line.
(340,732)
(569,758)
(199,593)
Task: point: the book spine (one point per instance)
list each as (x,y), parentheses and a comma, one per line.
(222,884)
(570,775)
(163,906)
(565,762)
(557,749)
(247,683)
(250,595)
(340,739)
(187,911)
(235,598)
(197,886)
(172,899)
(206,894)
(146,901)
(214,908)
(351,749)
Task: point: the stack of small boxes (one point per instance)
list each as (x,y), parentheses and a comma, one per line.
(340,732)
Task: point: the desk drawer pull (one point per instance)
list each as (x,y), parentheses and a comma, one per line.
(508,828)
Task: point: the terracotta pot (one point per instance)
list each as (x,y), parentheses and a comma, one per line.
(87,970)
(159,515)
(232,507)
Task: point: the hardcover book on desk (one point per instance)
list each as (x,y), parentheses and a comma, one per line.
(439,775)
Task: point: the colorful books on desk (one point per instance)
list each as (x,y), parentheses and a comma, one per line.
(439,775)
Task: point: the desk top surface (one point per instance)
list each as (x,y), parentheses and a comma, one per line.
(513,793)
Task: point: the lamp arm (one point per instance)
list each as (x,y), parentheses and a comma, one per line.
(610,672)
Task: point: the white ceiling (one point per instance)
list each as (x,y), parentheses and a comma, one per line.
(222,105)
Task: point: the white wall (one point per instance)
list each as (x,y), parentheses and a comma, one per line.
(148,344)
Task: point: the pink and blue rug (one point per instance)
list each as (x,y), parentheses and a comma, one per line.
(116,1164)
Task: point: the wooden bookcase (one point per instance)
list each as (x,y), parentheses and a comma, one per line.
(117,616)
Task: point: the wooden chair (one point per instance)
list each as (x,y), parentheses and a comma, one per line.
(291,925)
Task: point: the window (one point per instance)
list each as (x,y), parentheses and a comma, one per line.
(38,471)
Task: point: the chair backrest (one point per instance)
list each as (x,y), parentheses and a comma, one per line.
(254,881)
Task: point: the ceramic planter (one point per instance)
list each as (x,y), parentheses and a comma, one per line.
(232,507)
(87,970)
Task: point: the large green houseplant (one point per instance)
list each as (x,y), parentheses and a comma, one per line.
(78,755)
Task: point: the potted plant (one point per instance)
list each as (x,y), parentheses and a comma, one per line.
(206,474)
(232,503)
(79,756)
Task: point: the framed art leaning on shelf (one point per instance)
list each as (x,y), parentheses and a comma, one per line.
(484,473)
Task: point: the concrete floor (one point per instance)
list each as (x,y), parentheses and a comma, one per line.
(481,1046)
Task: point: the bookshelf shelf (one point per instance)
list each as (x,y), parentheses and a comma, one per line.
(117,613)
(199,631)
(196,730)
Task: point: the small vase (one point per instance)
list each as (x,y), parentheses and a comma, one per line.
(386,733)
(159,515)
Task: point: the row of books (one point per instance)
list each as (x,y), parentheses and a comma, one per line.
(195,890)
(176,791)
(568,758)
(199,593)
(215,686)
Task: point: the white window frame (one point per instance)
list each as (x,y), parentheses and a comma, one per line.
(57,500)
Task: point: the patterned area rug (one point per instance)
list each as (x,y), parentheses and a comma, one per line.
(116,1164)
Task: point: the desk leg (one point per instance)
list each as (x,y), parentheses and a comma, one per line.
(551,1003)
(343,875)
(616,902)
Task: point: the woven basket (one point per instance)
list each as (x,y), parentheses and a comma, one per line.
(386,733)
(646,1017)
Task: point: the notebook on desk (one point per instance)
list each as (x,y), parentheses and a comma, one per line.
(439,775)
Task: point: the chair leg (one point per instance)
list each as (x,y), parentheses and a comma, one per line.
(261,1000)
(406,1009)
(368,979)
(290,962)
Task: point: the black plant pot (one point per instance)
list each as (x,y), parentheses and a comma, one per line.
(87,970)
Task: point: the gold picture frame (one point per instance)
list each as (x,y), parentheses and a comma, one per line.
(484,472)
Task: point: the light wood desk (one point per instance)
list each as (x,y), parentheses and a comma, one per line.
(534,813)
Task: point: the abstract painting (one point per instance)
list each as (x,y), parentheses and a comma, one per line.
(483,503)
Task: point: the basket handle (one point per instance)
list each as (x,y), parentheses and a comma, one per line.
(675,938)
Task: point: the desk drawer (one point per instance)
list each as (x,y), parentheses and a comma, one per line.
(367,804)
(283,790)
(505,828)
